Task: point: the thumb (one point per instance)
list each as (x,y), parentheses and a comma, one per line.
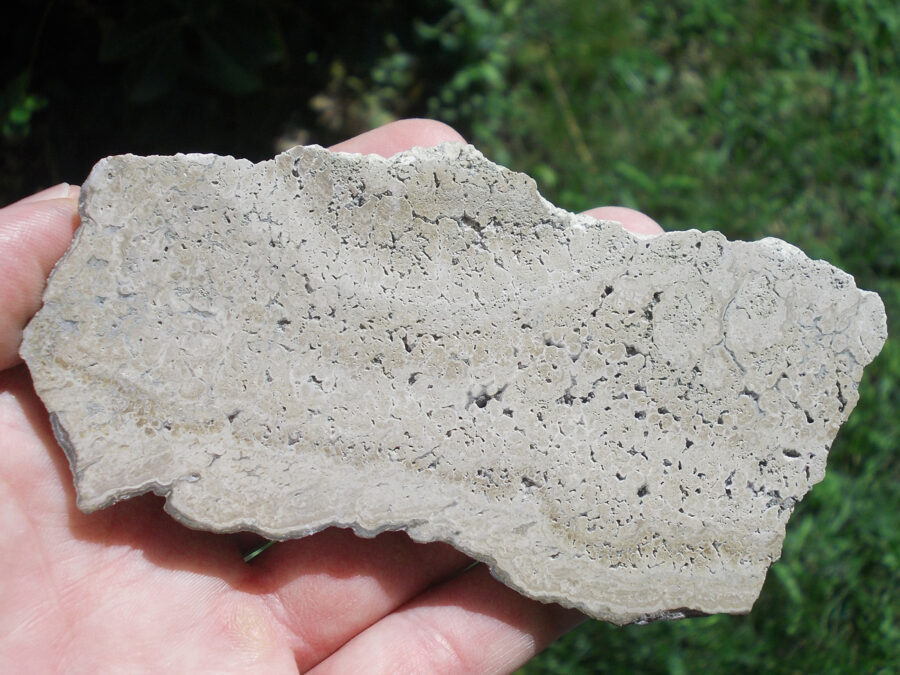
(34,233)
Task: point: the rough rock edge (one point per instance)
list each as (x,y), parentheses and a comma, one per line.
(164,490)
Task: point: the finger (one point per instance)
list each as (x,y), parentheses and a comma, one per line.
(469,624)
(329,587)
(34,233)
(401,135)
(61,191)
(633,221)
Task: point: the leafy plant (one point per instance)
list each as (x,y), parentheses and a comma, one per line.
(17,107)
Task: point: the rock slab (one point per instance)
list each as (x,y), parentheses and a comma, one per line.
(617,423)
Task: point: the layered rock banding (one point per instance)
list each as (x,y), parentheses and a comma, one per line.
(621,424)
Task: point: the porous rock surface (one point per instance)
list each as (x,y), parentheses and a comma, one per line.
(616,423)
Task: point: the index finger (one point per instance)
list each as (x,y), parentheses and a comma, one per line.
(389,139)
(633,221)
(34,233)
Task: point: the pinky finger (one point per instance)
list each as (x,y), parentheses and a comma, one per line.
(469,624)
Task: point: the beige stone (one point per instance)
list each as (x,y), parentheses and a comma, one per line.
(617,423)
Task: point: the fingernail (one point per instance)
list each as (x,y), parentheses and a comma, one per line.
(61,191)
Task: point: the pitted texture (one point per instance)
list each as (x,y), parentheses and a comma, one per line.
(616,423)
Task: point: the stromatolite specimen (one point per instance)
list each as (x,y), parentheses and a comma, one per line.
(620,424)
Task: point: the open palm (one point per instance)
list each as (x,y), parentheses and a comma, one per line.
(130,590)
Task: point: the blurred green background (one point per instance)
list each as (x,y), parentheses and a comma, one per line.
(754,118)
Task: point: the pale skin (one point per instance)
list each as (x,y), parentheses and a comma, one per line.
(128,589)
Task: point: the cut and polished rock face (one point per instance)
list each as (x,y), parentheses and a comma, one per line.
(621,424)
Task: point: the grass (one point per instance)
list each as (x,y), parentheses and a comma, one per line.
(756,119)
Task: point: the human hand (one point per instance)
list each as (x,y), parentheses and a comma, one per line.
(128,589)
